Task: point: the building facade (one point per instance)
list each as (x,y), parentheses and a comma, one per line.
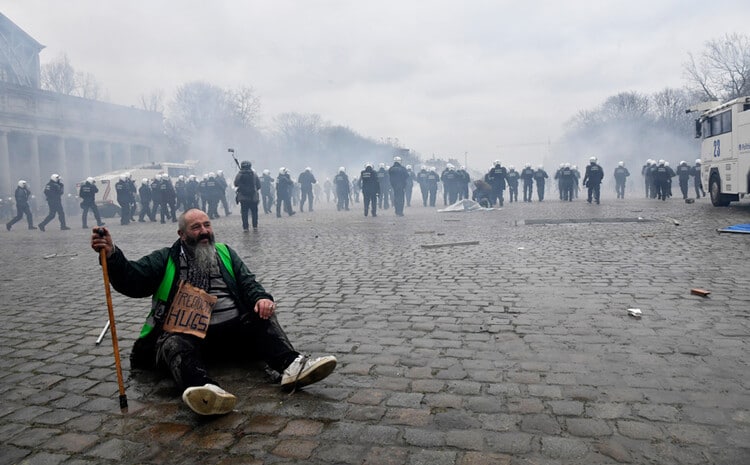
(44,132)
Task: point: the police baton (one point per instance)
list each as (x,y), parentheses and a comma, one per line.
(113,331)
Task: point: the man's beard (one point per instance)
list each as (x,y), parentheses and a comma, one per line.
(203,254)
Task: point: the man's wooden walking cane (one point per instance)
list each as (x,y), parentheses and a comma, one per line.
(113,331)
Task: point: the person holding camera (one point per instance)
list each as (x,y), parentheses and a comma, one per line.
(247,183)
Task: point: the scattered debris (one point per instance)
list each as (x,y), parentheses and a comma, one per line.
(587,220)
(464,205)
(448,244)
(521,248)
(737,228)
(700,292)
(689,200)
(61,255)
(634,312)
(674,221)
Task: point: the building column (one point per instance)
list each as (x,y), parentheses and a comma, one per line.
(6,182)
(62,159)
(86,155)
(107,157)
(36,169)
(128,155)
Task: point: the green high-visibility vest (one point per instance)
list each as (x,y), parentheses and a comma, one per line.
(165,287)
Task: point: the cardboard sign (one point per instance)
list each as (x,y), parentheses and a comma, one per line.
(190,312)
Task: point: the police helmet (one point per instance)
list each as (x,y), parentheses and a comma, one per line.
(342,169)
(382,165)
(128,176)
(55,177)
(408,167)
(245,165)
(308,169)
(592,160)
(192,177)
(666,163)
(282,170)
(496,162)
(512,168)
(368,165)
(697,161)
(144,181)
(661,162)
(220,173)
(90,180)
(683,162)
(397,159)
(432,168)
(180,178)
(449,166)
(205,176)
(566,165)
(424,167)
(211,175)
(621,163)
(266,171)
(21,183)
(527,165)
(124,178)
(540,167)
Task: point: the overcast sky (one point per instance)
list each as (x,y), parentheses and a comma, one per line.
(493,79)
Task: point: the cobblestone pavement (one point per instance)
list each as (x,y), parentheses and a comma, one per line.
(515,350)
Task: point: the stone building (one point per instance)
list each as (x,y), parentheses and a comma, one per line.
(44,132)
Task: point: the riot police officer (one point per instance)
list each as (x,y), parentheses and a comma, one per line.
(512,178)
(87,193)
(621,174)
(284,184)
(398,176)
(266,190)
(540,176)
(697,182)
(527,176)
(593,180)
(23,196)
(496,178)
(341,181)
(432,185)
(368,182)
(53,191)
(422,181)
(145,194)
(306,180)
(124,198)
(683,176)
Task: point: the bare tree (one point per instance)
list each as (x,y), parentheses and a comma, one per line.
(722,71)
(154,101)
(87,86)
(59,76)
(245,105)
(669,107)
(625,106)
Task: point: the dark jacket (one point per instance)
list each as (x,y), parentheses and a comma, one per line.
(143,277)
(247,183)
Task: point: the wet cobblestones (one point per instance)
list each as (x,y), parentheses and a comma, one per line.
(518,350)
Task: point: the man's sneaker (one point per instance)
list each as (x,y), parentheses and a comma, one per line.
(209,399)
(304,370)
(41,227)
